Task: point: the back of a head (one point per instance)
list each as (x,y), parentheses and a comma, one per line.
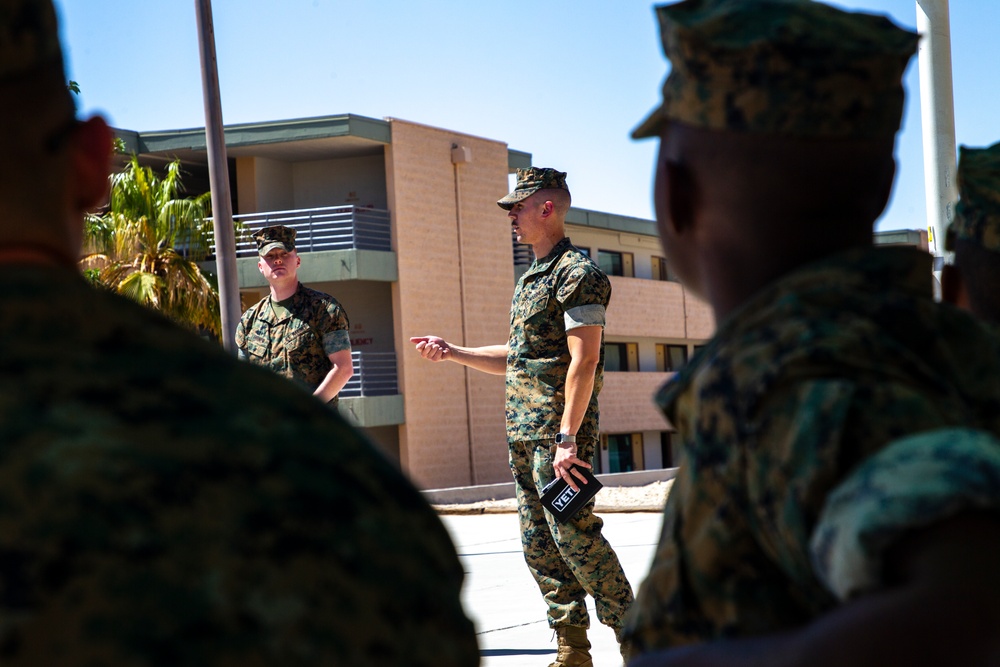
(975,233)
(37,113)
(801,101)
(163,503)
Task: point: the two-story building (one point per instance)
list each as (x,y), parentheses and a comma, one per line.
(399,221)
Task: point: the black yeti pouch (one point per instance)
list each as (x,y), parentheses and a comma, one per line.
(559,497)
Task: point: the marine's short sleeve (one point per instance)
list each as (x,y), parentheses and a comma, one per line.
(583,285)
(336,329)
(585,316)
(914,482)
(241,341)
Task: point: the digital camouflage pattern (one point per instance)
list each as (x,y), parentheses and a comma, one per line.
(537,354)
(277,236)
(568,560)
(916,481)
(29,36)
(786,67)
(816,374)
(977,215)
(295,337)
(162,504)
(530,181)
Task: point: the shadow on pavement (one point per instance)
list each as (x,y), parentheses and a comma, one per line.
(516,651)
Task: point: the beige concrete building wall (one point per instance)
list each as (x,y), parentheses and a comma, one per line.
(453,248)
(700,319)
(274,186)
(642,248)
(656,309)
(627,403)
(358,181)
(246,186)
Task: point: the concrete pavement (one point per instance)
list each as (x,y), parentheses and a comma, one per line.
(504,602)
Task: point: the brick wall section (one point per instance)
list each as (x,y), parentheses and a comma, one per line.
(642,308)
(627,403)
(435,277)
(700,319)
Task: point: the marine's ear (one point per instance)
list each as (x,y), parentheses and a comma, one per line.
(91,146)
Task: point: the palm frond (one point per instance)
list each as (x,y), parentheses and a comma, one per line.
(147,244)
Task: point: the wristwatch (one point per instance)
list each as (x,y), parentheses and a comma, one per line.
(565,438)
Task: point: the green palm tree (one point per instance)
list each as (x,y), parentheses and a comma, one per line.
(147,244)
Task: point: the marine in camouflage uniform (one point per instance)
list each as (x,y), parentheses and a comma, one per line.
(554,367)
(840,419)
(573,559)
(296,336)
(164,505)
(973,281)
(560,291)
(814,377)
(160,503)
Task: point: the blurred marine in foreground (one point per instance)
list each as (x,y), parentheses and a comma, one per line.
(839,485)
(160,502)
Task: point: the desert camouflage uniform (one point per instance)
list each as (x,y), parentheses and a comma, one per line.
(833,411)
(573,559)
(295,337)
(163,505)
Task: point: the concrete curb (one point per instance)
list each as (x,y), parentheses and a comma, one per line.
(469,495)
(471,510)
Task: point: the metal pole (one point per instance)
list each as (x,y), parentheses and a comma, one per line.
(459,156)
(218,174)
(937,114)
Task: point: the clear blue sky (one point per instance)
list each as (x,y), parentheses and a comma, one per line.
(564,81)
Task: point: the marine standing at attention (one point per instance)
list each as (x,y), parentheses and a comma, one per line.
(554,367)
(297,332)
(837,500)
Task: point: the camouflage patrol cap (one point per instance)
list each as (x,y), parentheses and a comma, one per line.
(277,236)
(977,215)
(781,67)
(530,181)
(29,36)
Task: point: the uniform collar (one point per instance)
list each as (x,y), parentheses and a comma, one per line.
(279,311)
(543,264)
(871,271)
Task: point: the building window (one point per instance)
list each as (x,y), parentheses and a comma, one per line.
(621,357)
(624,451)
(522,253)
(620,453)
(661,270)
(585,251)
(616,263)
(670,358)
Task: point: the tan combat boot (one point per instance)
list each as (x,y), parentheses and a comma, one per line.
(574,648)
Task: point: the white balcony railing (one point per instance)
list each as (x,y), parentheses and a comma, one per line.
(374,375)
(328,228)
